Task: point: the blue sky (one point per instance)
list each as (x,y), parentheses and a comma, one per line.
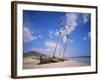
(41,31)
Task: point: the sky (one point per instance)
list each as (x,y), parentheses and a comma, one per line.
(41,32)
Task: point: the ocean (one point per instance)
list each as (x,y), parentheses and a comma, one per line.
(86,60)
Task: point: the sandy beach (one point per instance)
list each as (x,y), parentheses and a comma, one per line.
(33,63)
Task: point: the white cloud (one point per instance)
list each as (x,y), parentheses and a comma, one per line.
(85,38)
(88,36)
(63,32)
(38,49)
(71,22)
(40,36)
(64,39)
(50,47)
(71,41)
(56,33)
(28,35)
(85,18)
(51,44)
(51,33)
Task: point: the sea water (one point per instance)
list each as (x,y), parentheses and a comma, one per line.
(86,60)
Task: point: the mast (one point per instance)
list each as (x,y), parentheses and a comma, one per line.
(56,44)
(65,46)
(62,24)
(67,40)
